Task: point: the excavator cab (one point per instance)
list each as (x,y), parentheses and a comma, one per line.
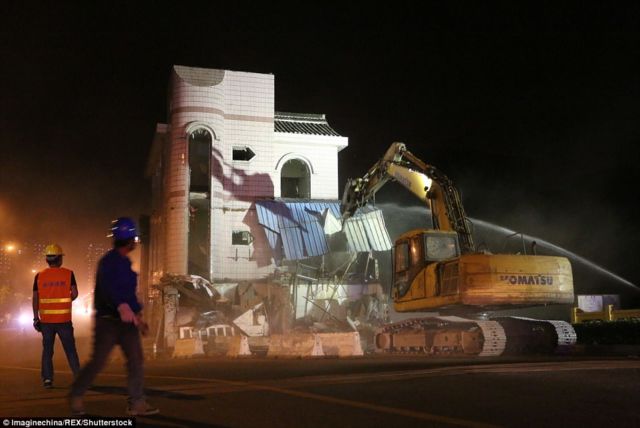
(418,248)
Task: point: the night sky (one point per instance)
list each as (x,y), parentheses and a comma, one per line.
(534,113)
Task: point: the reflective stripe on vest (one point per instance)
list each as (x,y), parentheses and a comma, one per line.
(61,300)
(54,295)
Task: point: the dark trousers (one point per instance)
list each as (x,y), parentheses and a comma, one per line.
(65,333)
(108,333)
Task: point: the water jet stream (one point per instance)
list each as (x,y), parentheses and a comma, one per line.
(557,249)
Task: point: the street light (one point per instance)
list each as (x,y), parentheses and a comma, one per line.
(24,319)
(10,248)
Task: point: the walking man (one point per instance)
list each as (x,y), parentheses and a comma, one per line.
(53,291)
(118,321)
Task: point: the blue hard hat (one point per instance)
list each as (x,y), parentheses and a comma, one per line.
(124,228)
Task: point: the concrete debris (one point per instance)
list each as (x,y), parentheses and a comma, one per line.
(194,290)
(330,223)
(254,321)
(295,346)
(188,348)
(170,315)
(186,315)
(226,291)
(239,347)
(338,295)
(341,344)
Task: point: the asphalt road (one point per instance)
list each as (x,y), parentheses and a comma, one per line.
(371,391)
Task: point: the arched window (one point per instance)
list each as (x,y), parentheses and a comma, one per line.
(199,203)
(295,180)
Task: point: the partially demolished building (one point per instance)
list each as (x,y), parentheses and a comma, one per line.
(245,214)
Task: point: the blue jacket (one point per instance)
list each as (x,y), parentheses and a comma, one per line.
(116,283)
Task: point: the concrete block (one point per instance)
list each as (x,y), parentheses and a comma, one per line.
(188,348)
(239,347)
(218,345)
(295,345)
(341,344)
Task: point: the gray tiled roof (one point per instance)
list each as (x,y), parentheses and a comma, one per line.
(303,123)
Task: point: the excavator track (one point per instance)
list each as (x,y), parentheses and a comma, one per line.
(565,334)
(445,336)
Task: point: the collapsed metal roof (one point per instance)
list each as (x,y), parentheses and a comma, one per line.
(299,123)
(299,229)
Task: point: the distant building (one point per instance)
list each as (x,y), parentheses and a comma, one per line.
(7,262)
(19,262)
(92,257)
(33,252)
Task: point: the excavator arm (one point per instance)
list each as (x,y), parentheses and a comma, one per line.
(425,181)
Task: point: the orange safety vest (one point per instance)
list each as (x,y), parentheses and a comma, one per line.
(54,295)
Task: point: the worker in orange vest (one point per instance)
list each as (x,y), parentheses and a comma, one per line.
(53,291)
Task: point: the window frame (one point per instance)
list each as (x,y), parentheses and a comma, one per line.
(246,233)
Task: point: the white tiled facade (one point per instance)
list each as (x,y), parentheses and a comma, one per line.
(237,109)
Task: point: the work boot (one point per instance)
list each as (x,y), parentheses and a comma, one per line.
(47,383)
(77,405)
(142,408)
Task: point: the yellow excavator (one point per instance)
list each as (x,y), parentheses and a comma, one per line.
(440,270)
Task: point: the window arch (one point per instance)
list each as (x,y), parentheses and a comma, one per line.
(292,155)
(295,179)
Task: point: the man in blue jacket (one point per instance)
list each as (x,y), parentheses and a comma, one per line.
(118,320)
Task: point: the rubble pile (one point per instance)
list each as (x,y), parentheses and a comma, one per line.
(195,316)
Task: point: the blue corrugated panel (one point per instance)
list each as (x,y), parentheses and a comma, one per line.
(296,222)
(335,210)
(269,220)
(313,235)
(299,227)
(292,243)
(263,219)
(314,240)
(356,235)
(377,231)
(263,214)
(272,237)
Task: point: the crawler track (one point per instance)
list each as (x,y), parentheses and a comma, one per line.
(456,336)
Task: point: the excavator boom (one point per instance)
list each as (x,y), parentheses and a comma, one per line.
(425,181)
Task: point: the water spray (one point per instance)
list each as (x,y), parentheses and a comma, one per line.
(541,242)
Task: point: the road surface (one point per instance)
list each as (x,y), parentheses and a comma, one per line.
(372,391)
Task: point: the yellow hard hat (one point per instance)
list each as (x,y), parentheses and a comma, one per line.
(53,250)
